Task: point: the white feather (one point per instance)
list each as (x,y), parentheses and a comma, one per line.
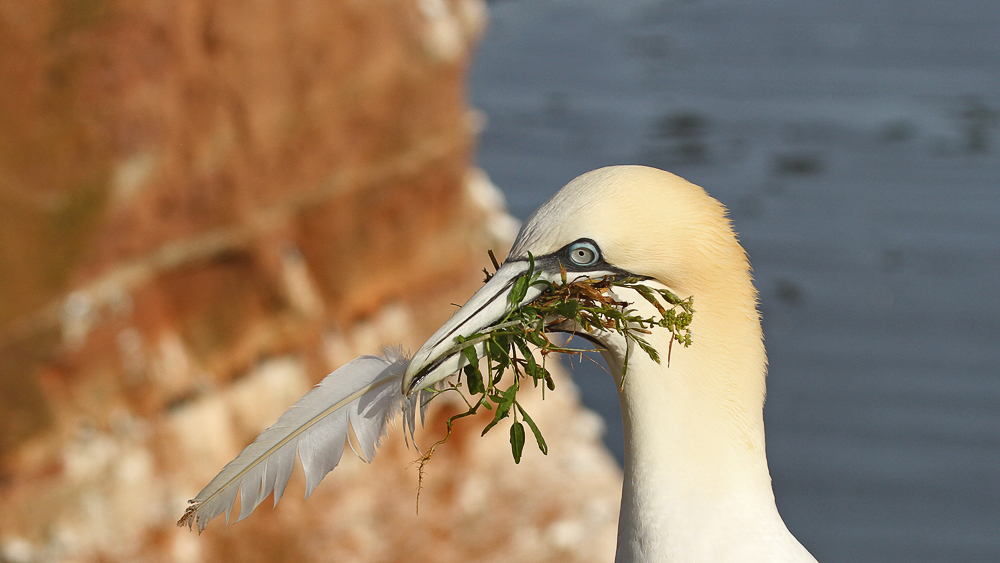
(363,395)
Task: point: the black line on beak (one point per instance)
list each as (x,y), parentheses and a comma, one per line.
(503,291)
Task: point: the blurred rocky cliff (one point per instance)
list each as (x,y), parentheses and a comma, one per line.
(205,207)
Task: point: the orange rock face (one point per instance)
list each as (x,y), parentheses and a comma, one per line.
(204,208)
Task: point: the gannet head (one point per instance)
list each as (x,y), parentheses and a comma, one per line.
(696,483)
(620,220)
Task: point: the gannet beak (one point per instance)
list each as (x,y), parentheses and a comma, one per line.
(439,357)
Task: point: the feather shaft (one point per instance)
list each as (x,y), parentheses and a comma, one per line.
(358,395)
(339,405)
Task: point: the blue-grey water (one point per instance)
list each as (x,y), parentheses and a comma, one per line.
(857,145)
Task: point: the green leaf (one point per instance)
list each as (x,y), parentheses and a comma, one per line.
(504,402)
(628,352)
(649,296)
(649,350)
(529,312)
(533,368)
(534,430)
(670,297)
(497,417)
(474,379)
(469,351)
(518,291)
(527,355)
(497,348)
(536,338)
(569,309)
(517,441)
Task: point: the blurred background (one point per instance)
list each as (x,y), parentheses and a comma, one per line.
(206,206)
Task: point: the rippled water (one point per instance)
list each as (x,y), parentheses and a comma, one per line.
(857,146)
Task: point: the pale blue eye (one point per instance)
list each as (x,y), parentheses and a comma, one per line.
(584,253)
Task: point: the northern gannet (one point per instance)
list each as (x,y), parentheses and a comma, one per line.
(697,486)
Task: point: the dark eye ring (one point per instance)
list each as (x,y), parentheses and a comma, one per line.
(584,253)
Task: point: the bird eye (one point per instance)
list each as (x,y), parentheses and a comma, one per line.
(584,253)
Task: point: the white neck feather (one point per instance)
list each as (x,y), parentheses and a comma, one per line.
(697,487)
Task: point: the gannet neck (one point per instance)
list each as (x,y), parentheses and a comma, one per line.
(697,486)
